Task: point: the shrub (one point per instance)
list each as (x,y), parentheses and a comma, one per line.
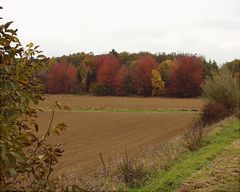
(222,88)
(101,90)
(213,112)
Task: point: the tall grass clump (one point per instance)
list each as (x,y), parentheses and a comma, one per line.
(131,172)
(193,138)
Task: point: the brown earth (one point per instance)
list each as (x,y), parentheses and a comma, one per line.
(124,102)
(111,134)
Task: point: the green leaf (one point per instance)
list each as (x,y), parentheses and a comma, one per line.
(8,24)
(30,45)
(14,32)
(36,47)
(41,56)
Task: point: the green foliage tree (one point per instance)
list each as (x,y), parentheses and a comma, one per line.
(209,67)
(161,56)
(233,67)
(127,58)
(26,158)
(158,86)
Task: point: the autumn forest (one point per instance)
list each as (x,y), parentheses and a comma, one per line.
(124,74)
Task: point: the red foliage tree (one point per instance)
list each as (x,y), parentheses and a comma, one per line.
(142,75)
(120,81)
(108,66)
(187,76)
(62,78)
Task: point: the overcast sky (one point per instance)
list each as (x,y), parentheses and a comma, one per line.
(208,27)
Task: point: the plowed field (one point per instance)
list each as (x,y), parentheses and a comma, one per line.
(125,102)
(113,133)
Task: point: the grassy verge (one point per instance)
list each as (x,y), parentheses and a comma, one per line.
(222,174)
(192,162)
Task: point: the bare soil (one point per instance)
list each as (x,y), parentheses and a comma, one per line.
(111,134)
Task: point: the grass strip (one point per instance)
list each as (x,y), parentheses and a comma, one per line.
(193,161)
(129,110)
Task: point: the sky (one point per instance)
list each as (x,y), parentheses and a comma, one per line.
(210,28)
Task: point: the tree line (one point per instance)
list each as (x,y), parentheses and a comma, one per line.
(125,74)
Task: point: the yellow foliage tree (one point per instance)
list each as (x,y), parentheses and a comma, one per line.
(165,71)
(84,71)
(158,85)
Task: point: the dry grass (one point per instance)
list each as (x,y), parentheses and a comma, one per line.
(130,172)
(137,171)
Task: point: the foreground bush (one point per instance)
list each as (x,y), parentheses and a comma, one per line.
(222,88)
(26,158)
(213,112)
